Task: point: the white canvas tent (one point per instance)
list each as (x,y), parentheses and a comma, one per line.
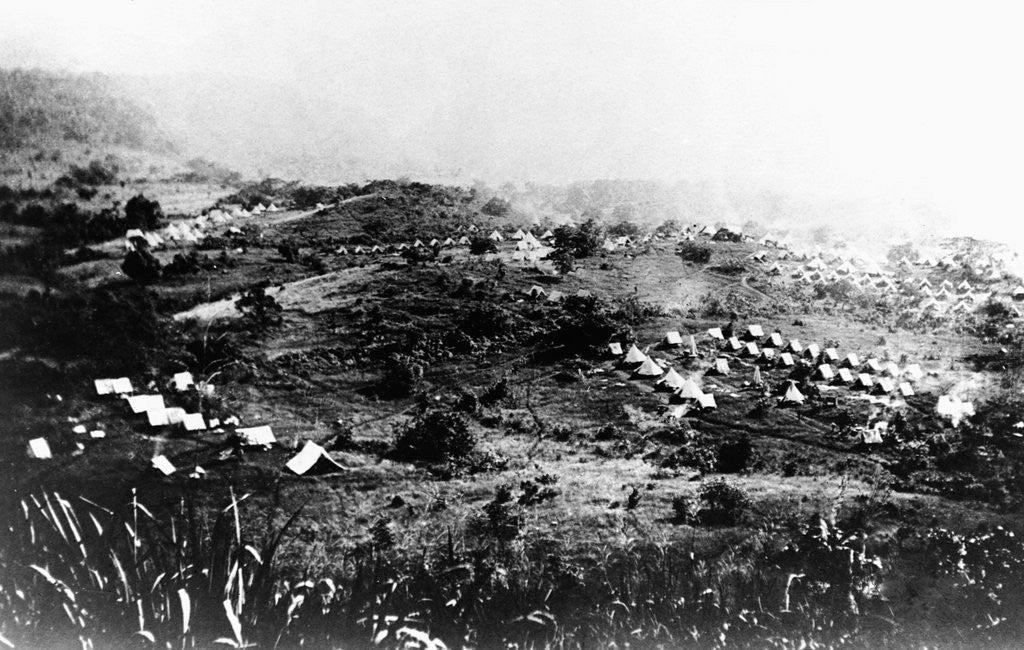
(615,348)
(257,436)
(182,380)
(792,395)
(649,368)
(634,355)
(671,378)
(39,449)
(313,459)
(113,386)
(673,338)
(162,465)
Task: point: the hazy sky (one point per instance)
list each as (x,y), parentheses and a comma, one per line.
(915,100)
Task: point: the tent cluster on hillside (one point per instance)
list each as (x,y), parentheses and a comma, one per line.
(150,408)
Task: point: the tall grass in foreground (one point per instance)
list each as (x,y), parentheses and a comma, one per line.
(76,574)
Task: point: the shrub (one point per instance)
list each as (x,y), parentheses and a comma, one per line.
(693,252)
(734,455)
(724,503)
(437,436)
(482,245)
(504,518)
(141,266)
(259,310)
(400,377)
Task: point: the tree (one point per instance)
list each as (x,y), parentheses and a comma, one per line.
(582,241)
(143,213)
(563,260)
(496,207)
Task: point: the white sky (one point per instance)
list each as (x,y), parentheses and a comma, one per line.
(916,100)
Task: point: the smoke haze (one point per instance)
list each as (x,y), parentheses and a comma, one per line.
(909,112)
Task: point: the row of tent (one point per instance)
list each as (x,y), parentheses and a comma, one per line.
(311,460)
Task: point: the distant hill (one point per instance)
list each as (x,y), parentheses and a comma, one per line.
(39,107)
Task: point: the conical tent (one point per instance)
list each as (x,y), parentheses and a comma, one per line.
(693,346)
(649,368)
(689,390)
(793,395)
(672,379)
(634,355)
(757,376)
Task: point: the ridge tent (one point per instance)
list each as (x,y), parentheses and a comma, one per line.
(556,296)
(162,465)
(906,390)
(417,244)
(774,340)
(114,386)
(518,234)
(825,372)
(649,368)
(157,417)
(433,242)
(794,346)
(495,236)
(873,366)
(864,381)
(313,459)
(750,350)
(831,355)
(341,251)
(885,385)
(767,355)
(851,361)
(182,380)
(256,436)
(733,344)
(754,332)
(634,355)
(39,449)
(873,436)
(716,333)
(721,367)
(464,241)
(615,348)
(914,371)
(673,338)
(175,415)
(812,351)
(536,291)
(891,369)
(844,376)
(449,242)
(547,235)
(193,422)
(143,403)
(786,360)
(707,402)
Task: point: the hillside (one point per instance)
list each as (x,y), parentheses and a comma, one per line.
(496,472)
(39,108)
